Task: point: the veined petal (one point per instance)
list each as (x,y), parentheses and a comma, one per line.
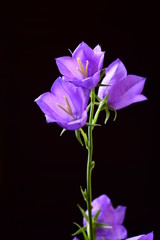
(82,51)
(47,103)
(115,72)
(126,92)
(68,67)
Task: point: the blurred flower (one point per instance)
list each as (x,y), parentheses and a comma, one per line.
(148,236)
(83,67)
(123,89)
(110,216)
(65,105)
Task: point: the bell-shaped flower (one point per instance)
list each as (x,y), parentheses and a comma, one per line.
(83,67)
(65,105)
(111,216)
(148,236)
(122,89)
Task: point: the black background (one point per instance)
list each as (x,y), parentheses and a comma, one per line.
(40,172)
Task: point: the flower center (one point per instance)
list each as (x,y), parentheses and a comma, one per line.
(68,108)
(81,69)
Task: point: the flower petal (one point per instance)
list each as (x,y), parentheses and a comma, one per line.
(115,233)
(126,92)
(148,236)
(76,124)
(68,67)
(120,212)
(61,88)
(47,103)
(95,57)
(115,72)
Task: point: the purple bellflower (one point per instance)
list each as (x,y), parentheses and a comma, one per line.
(123,89)
(110,216)
(65,105)
(83,67)
(148,236)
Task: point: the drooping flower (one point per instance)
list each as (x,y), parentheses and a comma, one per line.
(148,236)
(83,67)
(65,105)
(123,89)
(110,216)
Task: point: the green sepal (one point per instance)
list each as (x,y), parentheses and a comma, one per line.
(101,225)
(92,124)
(84,193)
(107,115)
(96,215)
(78,136)
(81,230)
(115,115)
(84,137)
(63,130)
(106,98)
(83,212)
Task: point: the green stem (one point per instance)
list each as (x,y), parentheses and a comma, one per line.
(89,167)
(101,105)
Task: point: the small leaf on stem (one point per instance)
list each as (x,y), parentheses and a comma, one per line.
(81,230)
(84,193)
(83,212)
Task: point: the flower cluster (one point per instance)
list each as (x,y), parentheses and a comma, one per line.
(66,103)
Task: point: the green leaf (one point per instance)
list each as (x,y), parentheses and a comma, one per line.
(78,136)
(96,215)
(107,115)
(101,225)
(81,230)
(83,212)
(63,131)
